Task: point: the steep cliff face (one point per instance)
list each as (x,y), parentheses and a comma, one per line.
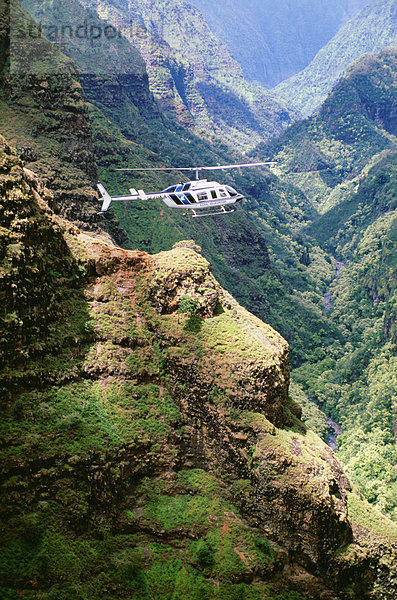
(111,70)
(45,116)
(151,453)
(374,28)
(35,264)
(192,73)
(255,32)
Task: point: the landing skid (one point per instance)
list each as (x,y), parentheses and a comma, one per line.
(195,215)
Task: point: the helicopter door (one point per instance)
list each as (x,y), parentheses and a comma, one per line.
(175,198)
(190,197)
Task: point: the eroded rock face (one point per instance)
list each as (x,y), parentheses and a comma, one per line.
(298,485)
(298,488)
(183,273)
(34,258)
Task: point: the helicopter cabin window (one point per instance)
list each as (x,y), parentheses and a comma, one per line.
(222,193)
(186,186)
(213,194)
(202,196)
(170,189)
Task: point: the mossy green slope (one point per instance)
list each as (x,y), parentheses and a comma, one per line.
(145,459)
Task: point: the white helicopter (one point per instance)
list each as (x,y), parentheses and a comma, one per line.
(191,196)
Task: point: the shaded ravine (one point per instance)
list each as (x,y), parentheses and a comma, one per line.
(334,429)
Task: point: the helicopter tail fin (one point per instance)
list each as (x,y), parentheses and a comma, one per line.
(106,198)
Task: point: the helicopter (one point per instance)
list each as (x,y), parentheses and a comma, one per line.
(192,196)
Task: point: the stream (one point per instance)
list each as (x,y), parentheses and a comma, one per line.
(327,296)
(334,431)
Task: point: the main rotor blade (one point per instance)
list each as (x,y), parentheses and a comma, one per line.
(243,165)
(160,169)
(213,168)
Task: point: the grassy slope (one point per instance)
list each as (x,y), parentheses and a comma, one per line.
(43,113)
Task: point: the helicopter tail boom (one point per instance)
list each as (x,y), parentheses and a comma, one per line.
(106,198)
(134,195)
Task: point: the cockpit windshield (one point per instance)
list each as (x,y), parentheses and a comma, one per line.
(231,191)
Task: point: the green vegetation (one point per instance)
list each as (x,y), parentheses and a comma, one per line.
(148,458)
(188,305)
(356,383)
(353,185)
(312,416)
(325,154)
(92,411)
(271,56)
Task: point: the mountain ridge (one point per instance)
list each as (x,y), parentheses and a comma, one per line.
(262,47)
(371,30)
(329,151)
(202,86)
